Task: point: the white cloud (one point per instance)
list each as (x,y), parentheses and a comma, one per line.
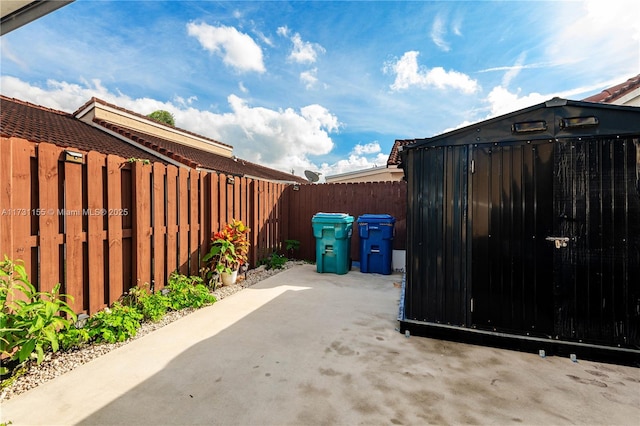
(238,50)
(283,31)
(304,51)
(456,25)
(438,32)
(370,148)
(56,94)
(361,157)
(184,102)
(309,78)
(409,74)
(353,163)
(280,139)
(515,70)
(502,101)
(599,29)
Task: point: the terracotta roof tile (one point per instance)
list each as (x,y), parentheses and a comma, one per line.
(36,123)
(610,94)
(394,156)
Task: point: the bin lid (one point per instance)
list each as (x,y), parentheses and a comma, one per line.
(376,218)
(332,218)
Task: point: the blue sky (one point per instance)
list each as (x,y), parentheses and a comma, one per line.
(325,86)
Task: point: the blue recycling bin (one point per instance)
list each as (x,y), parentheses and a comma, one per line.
(333,242)
(376,242)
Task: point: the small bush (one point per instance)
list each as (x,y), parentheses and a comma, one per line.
(152,306)
(274,261)
(188,292)
(30,322)
(74,338)
(115,324)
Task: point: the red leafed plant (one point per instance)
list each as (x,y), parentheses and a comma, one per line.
(229,249)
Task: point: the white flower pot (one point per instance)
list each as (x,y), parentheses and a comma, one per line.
(229,279)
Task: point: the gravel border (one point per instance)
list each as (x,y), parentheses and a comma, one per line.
(56,364)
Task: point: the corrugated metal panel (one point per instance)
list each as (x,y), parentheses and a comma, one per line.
(437,249)
(511,216)
(529,234)
(597,206)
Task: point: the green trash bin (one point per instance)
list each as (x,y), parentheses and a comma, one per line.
(333,242)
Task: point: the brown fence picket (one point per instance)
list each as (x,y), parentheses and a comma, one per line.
(115,227)
(159,227)
(48,206)
(183,221)
(253,221)
(95,230)
(6,190)
(142,223)
(194,226)
(74,235)
(203,213)
(172,220)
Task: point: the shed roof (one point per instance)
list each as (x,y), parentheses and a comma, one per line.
(554,119)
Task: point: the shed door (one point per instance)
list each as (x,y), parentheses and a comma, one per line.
(596,240)
(512,213)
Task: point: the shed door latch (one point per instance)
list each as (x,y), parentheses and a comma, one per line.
(560,242)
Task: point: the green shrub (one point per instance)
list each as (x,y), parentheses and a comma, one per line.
(115,324)
(73,338)
(152,306)
(187,292)
(30,321)
(274,261)
(292,245)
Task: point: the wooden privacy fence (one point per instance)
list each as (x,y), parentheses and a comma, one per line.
(355,199)
(104,224)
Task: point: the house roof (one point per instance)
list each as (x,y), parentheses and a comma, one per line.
(36,123)
(394,156)
(197,158)
(80,111)
(40,124)
(612,94)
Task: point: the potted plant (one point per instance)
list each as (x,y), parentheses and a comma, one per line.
(229,251)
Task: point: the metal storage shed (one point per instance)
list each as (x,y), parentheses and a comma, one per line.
(527,227)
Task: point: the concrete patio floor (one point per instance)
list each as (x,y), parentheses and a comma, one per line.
(303,348)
